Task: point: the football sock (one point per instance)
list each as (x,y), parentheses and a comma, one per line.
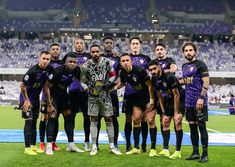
(153,137)
(204,137)
(42,130)
(69,127)
(179,137)
(86,126)
(116,129)
(166,137)
(194,137)
(136,136)
(33,132)
(110,131)
(93,130)
(144,131)
(27,132)
(128,129)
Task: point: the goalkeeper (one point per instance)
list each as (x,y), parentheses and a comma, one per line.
(97,76)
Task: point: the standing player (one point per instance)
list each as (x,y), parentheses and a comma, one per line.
(108,52)
(97,74)
(173,105)
(196,79)
(55,62)
(33,82)
(231,107)
(166,63)
(58,101)
(143,101)
(78,96)
(141,60)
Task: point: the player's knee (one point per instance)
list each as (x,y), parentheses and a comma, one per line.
(108,119)
(67,113)
(94,119)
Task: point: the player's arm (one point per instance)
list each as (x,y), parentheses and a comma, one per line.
(176,95)
(83,78)
(204,90)
(27,105)
(161,101)
(151,91)
(46,89)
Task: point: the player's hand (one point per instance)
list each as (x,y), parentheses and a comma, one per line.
(149,107)
(178,117)
(26,106)
(165,120)
(199,104)
(51,109)
(108,85)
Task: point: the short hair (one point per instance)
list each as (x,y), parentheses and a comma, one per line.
(160,44)
(71,55)
(94,45)
(153,62)
(135,37)
(108,37)
(45,52)
(54,44)
(189,44)
(125,54)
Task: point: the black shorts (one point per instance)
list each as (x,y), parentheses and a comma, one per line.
(79,102)
(32,114)
(127,105)
(115,103)
(141,102)
(193,115)
(169,107)
(61,103)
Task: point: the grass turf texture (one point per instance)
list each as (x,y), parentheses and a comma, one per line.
(12,153)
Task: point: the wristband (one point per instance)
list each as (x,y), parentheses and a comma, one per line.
(151,101)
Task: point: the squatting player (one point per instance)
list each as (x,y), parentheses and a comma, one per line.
(143,101)
(172,104)
(58,101)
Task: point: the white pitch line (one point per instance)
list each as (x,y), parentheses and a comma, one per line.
(212,130)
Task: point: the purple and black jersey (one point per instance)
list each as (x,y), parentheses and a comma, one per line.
(166,63)
(166,83)
(136,79)
(34,80)
(140,60)
(81,59)
(53,65)
(56,63)
(193,73)
(232,105)
(61,78)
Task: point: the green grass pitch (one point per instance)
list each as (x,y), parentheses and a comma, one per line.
(11,154)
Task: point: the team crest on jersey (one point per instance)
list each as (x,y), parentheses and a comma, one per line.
(142,61)
(164,83)
(112,62)
(50,76)
(191,69)
(163,65)
(26,77)
(134,78)
(84,58)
